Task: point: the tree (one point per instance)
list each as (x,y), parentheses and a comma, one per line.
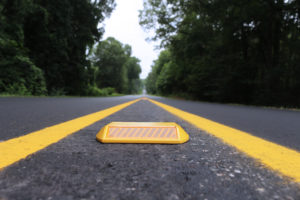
(48,40)
(18,74)
(58,33)
(151,81)
(116,67)
(110,59)
(228,51)
(133,74)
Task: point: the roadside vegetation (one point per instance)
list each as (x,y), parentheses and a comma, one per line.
(54,47)
(232,51)
(114,68)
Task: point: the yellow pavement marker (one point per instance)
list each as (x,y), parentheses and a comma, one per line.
(277,157)
(142,132)
(18,148)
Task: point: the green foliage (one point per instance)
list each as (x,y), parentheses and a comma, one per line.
(95,91)
(108,91)
(115,67)
(133,74)
(67,28)
(166,80)
(109,57)
(161,79)
(227,51)
(43,45)
(18,75)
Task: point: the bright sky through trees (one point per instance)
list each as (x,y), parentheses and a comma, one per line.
(124,26)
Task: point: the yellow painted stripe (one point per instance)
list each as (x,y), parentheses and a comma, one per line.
(16,149)
(277,157)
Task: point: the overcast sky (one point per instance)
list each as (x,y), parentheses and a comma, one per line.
(124,26)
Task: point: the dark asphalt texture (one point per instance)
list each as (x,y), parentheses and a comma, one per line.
(278,126)
(79,167)
(19,116)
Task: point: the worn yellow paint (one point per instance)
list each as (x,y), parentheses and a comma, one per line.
(142,132)
(277,157)
(16,149)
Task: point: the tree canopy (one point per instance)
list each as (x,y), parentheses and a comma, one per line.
(47,47)
(227,50)
(116,67)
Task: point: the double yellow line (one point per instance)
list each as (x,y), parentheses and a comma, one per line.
(279,158)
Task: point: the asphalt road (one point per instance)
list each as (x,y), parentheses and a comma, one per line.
(19,116)
(79,167)
(278,126)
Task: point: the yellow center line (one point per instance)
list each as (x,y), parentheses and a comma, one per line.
(277,157)
(18,148)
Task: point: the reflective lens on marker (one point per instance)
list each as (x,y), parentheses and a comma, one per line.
(142,132)
(127,132)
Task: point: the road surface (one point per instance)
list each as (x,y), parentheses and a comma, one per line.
(279,126)
(79,167)
(20,116)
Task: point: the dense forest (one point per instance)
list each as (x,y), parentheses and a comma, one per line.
(114,67)
(226,50)
(53,47)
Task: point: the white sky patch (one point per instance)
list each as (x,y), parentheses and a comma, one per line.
(124,26)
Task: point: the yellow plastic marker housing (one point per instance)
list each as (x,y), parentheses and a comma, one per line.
(142,132)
